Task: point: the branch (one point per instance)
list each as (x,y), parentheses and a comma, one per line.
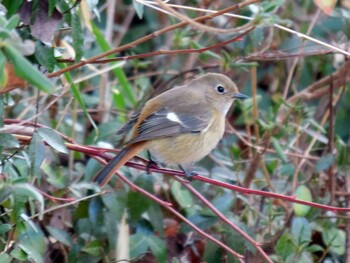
(226,220)
(338,78)
(100,155)
(148,37)
(165,52)
(169,207)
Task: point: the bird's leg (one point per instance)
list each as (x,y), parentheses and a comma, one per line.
(188,173)
(151,162)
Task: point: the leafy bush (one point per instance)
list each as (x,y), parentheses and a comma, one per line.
(72,72)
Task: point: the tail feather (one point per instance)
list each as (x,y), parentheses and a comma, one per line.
(105,174)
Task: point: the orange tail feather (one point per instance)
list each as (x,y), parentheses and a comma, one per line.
(128,152)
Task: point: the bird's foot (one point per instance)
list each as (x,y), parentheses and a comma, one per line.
(151,163)
(188,173)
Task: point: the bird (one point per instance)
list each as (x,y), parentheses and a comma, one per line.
(178,127)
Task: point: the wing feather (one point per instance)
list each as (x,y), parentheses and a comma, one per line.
(159,124)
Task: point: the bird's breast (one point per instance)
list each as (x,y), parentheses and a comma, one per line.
(187,148)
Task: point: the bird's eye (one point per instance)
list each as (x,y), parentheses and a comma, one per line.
(220,89)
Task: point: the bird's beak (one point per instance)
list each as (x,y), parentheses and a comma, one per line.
(240,96)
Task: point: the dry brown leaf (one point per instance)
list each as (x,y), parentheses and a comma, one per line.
(42,26)
(326,6)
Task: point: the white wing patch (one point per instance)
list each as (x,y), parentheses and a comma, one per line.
(171,116)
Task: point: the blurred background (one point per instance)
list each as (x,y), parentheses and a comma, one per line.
(73,72)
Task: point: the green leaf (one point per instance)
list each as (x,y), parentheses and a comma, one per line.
(5,193)
(139,8)
(78,97)
(4,33)
(301,230)
(94,248)
(343,152)
(223,203)
(28,190)
(5,258)
(126,91)
(158,248)
(317,126)
(203,222)
(181,195)
(285,246)
(96,211)
(7,140)
(36,152)
(33,243)
(279,150)
(211,252)
(269,6)
(4,228)
(206,54)
(156,217)
(111,226)
(137,204)
(54,175)
(287,169)
(13,7)
(52,5)
(3,73)
(45,56)
(60,235)
(25,70)
(314,248)
(19,254)
(302,193)
(92,4)
(324,162)
(12,22)
(78,37)
(1,113)
(115,201)
(53,139)
(65,10)
(306,257)
(268,126)
(334,239)
(138,245)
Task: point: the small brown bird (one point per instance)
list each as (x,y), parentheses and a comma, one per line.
(179,126)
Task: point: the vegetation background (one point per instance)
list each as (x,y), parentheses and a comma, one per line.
(72,72)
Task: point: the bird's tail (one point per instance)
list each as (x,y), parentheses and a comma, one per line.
(128,152)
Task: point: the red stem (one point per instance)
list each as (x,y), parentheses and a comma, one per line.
(226,220)
(169,207)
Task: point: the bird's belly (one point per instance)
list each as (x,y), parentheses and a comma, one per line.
(184,149)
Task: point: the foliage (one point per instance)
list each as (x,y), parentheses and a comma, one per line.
(63,99)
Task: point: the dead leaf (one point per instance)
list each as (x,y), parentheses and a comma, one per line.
(326,6)
(13,82)
(345,3)
(42,26)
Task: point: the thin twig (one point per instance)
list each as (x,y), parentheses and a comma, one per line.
(226,220)
(339,77)
(347,224)
(148,37)
(297,59)
(165,52)
(332,177)
(100,154)
(169,10)
(298,34)
(274,55)
(313,141)
(169,207)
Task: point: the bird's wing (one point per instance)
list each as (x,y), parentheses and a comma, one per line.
(129,124)
(166,123)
